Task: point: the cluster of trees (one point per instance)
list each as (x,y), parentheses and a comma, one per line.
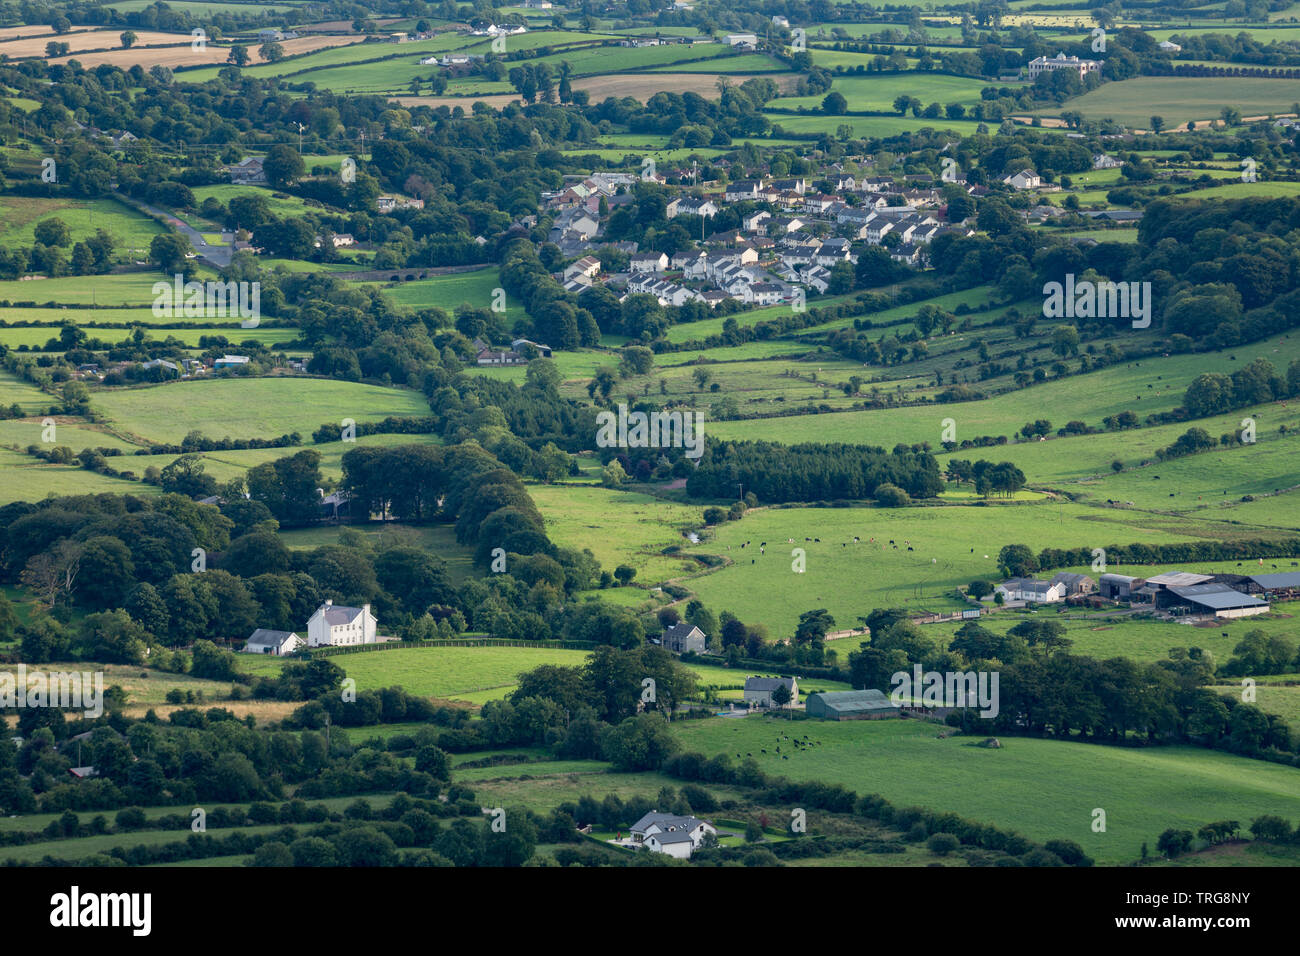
(1211,393)
(1004,478)
(1021,560)
(556,319)
(1045,690)
(811,472)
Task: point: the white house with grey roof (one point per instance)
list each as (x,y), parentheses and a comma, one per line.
(335,625)
(683,638)
(678,836)
(1032,591)
(277,643)
(758,690)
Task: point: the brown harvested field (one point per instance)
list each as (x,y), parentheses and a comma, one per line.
(264,711)
(642,86)
(35,30)
(90,40)
(182,55)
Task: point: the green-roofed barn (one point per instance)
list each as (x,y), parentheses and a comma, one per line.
(850,705)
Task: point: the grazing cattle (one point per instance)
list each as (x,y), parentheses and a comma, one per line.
(891,540)
(817,540)
(764,750)
(909,547)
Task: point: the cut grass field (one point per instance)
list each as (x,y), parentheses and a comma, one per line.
(1183,98)
(121,289)
(876,93)
(249,407)
(448,292)
(444,672)
(1044,789)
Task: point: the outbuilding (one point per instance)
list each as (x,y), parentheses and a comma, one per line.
(850,705)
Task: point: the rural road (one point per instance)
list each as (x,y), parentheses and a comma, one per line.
(217,256)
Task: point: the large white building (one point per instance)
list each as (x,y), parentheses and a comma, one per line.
(334,625)
(1043,64)
(669,833)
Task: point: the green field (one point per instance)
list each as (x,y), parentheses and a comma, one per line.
(1044,789)
(249,407)
(950,547)
(131,231)
(619,527)
(448,292)
(1180,99)
(877,93)
(1089,398)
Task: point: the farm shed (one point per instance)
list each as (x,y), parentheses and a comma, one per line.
(850,705)
(1217,599)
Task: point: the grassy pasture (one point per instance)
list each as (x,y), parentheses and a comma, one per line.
(451,672)
(129,229)
(18,433)
(877,92)
(1084,458)
(1203,483)
(15,391)
(124,289)
(1043,789)
(620,527)
(849,580)
(1089,398)
(280,204)
(865,127)
(1183,98)
(448,292)
(1145,641)
(27,479)
(249,407)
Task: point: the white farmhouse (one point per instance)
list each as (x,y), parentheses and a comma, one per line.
(1025,179)
(668,833)
(334,625)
